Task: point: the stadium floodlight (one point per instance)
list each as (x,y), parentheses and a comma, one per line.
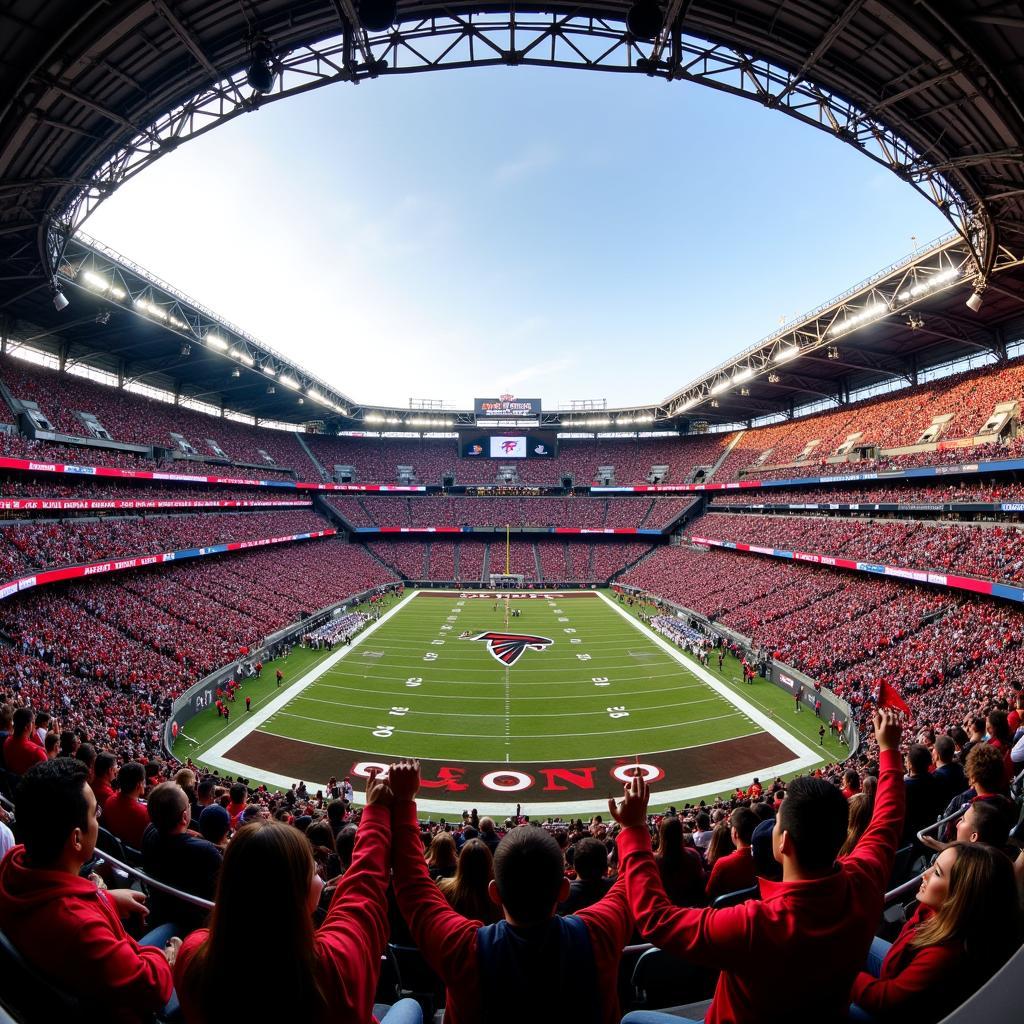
(787,353)
(217,342)
(373,417)
(236,372)
(271,390)
(242,357)
(302,401)
(973,303)
(873,312)
(289,382)
(929,285)
(269,370)
(741,375)
(60,300)
(721,386)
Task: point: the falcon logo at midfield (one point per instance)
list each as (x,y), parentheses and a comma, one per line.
(509,647)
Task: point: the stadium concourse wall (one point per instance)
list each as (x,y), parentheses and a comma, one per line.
(199,697)
(785,677)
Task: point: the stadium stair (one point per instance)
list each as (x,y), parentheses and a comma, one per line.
(725,454)
(324,475)
(426,561)
(647,515)
(485,571)
(536,564)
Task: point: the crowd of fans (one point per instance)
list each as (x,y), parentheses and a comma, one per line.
(37,544)
(574,511)
(108,656)
(990,551)
(137,419)
(799,869)
(891,421)
(632,459)
(940,492)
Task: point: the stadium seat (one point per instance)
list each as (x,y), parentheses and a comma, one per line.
(732,899)
(30,996)
(415,979)
(660,980)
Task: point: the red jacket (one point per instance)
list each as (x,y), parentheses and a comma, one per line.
(68,930)
(447,940)
(825,923)
(350,942)
(127,818)
(20,754)
(922,985)
(732,872)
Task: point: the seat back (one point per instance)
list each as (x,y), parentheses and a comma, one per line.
(660,979)
(29,995)
(416,979)
(731,899)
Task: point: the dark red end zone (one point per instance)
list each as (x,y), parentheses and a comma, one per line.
(525,782)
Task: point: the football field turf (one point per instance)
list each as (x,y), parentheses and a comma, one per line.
(572,684)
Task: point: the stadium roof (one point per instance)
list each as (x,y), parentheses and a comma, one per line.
(92,91)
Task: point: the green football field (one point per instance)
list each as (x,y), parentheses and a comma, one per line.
(601,689)
(426,682)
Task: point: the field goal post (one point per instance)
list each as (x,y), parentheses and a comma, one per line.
(507,581)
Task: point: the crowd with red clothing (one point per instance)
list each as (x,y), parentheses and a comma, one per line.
(546,908)
(993,552)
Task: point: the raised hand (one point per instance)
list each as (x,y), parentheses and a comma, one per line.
(404,779)
(888,729)
(378,789)
(632,808)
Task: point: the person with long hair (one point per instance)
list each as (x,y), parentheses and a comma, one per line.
(965,927)
(466,892)
(721,844)
(442,859)
(680,866)
(861,807)
(266,894)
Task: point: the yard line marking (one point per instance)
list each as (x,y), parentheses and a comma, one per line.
(491,736)
(805,756)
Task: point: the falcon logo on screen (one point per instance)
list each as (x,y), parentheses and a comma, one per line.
(509,446)
(508,648)
(540,450)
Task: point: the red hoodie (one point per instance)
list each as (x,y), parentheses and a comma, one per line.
(350,942)
(69,930)
(826,922)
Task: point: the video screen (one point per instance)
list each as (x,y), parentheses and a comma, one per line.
(508,446)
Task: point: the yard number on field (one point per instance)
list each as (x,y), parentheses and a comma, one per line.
(618,711)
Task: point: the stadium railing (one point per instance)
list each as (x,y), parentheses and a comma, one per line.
(126,870)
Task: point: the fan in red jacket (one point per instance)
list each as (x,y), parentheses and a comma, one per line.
(735,870)
(964,929)
(21,748)
(568,965)
(824,912)
(125,814)
(65,927)
(267,891)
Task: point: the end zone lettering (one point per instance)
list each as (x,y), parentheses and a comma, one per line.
(555,779)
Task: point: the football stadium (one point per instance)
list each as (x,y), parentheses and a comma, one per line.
(459,711)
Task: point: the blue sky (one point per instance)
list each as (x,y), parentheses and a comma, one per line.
(546,232)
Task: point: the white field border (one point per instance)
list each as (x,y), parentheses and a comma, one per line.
(805,756)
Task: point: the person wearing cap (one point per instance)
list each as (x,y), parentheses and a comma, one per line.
(215,824)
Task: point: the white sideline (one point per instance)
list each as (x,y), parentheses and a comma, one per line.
(215,755)
(502,802)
